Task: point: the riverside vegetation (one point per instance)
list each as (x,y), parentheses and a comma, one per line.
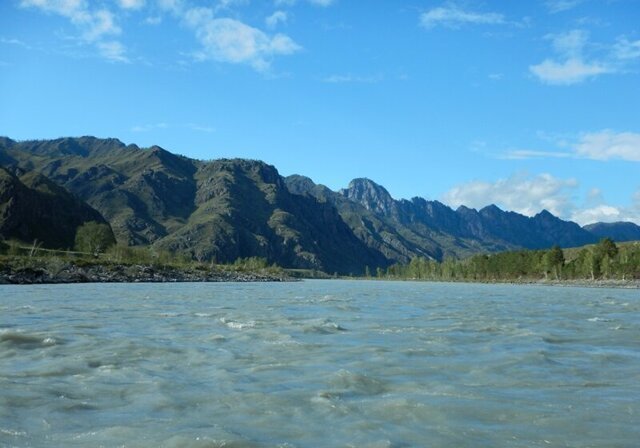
(98,259)
(602,262)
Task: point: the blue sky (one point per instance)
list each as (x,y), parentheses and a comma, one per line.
(526,104)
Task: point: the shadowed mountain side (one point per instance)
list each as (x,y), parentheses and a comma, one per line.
(383,224)
(243,209)
(34,208)
(144,193)
(617,231)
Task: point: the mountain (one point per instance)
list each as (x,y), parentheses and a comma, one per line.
(34,208)
(489,229)
(218,210)
(617,231)
(224,209)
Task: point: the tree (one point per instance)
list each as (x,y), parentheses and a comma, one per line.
(605,251)
(553,261)
(94,237)
(607,248)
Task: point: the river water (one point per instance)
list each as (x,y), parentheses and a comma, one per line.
(319,364)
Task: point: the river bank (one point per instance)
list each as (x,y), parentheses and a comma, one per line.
(70,272)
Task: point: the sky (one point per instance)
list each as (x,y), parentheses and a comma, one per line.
(530,105)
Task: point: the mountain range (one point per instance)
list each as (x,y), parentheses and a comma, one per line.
(223,209)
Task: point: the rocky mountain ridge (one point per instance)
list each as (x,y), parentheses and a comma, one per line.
(224,209)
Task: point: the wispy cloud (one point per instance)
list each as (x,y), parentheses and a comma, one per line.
(627,50)
(578,60)
(349,78)
(96,26)
(131,4)
(148,127)
(276,18)
(323,3)
(602,145)
(524,154)
(453,16)
(571,66)
(162,126)
(113,51)
(201,128)
(556,6)
(13,41)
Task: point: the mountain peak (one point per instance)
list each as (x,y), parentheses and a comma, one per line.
(371,195)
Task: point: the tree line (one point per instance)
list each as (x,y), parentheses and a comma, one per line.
(604,260)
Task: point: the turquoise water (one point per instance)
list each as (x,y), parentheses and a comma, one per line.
(319,364)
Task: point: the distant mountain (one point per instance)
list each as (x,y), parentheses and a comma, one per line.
(224,209)
(617,231)
(34,208)
(489,226)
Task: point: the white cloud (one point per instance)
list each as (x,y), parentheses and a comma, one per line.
(521,193)
(232,41)
(131,4)
(94,25)
(571,67)
(555,6)
(599,213)
(452,16)
(529,195)
(277,17)
(606,145)
(597,210)
(568,72)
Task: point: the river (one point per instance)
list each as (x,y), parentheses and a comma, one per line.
(319,364)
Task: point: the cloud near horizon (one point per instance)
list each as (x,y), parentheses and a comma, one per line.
(529,195)
(520,193)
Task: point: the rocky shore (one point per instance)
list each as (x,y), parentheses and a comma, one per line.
(114,273)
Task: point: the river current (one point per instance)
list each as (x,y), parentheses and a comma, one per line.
(319,364)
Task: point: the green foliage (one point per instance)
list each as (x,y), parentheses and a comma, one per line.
(94,238)
(602,261)
(553,261)
(251,264)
